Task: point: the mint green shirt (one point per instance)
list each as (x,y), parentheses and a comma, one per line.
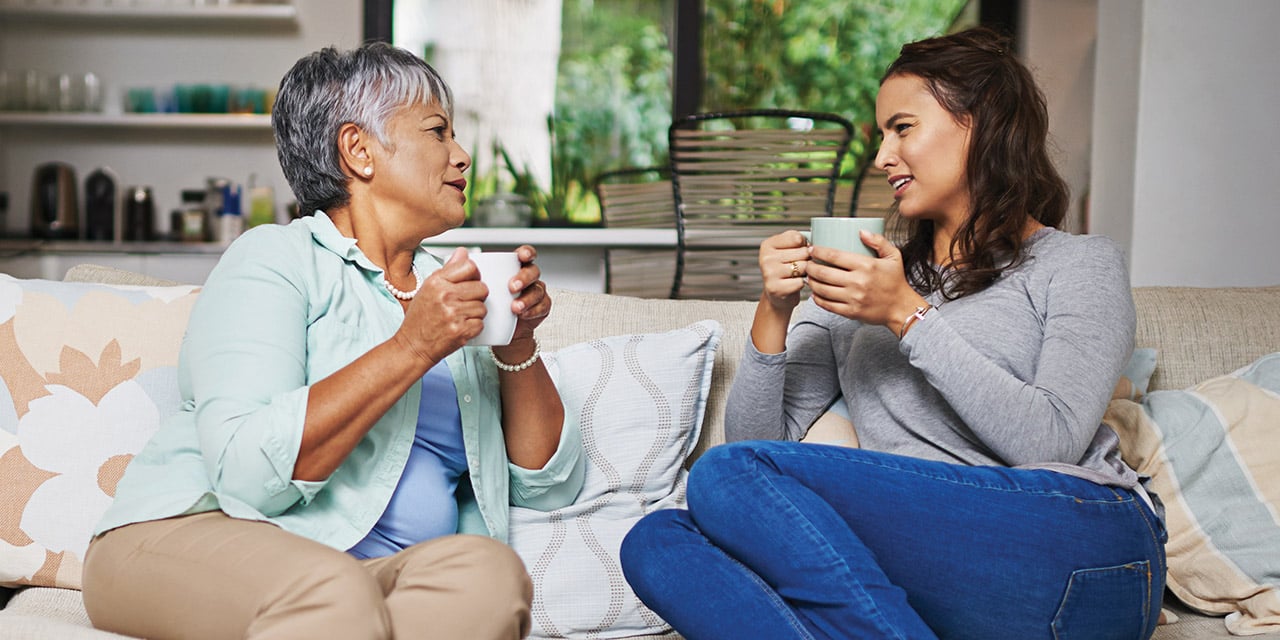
(287,306)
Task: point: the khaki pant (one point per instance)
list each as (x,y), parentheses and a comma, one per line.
(213,576)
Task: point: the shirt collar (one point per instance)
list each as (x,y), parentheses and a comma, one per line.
(326,234)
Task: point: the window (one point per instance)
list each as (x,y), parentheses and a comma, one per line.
(551,94)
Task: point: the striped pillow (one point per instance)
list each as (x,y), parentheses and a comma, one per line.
(1212,453)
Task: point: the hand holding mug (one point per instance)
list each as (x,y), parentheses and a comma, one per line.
(873,290)
(784,259)
(532,304)
(446,312)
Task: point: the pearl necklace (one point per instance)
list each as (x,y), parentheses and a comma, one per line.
(404,295)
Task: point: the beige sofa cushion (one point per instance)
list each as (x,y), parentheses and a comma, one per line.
(577,316)
(1205,332)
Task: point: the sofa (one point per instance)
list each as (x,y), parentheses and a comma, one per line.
(1186,336)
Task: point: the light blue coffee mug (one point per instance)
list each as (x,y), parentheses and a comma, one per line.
(843,233)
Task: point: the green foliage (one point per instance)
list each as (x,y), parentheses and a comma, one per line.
(817,55)
(569,199)
(612,109)
(613,99)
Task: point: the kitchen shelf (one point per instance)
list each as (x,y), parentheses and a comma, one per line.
(101,10)
(139,120)
(12,247)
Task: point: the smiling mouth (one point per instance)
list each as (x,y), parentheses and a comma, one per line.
(899,184)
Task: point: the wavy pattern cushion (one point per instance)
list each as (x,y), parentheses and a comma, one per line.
(87,372)
(1212,453)
(640,400)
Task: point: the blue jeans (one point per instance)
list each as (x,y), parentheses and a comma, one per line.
(790,540)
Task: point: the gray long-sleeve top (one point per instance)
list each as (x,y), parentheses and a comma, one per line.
(1017,375)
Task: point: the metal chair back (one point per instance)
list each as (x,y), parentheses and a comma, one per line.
(740,177)
(638,198)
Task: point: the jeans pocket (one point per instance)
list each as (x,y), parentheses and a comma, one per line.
(1108,603)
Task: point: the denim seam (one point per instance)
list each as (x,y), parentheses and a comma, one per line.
(1146,614)
(777,600)
(1161,562)
(1056,494)
(839,559)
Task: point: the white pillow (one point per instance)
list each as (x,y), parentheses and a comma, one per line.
(640,401)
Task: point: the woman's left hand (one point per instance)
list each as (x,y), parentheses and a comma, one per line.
(862,288)
(532,304)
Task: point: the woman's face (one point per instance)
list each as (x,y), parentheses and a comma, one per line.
(923,151)
(421,175)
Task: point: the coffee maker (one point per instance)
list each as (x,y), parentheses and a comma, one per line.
(100,200)
(55,207)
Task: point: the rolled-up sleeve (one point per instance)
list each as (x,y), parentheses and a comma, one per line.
(246,351)
(558,482)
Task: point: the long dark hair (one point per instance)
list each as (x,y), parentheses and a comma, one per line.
(976,78)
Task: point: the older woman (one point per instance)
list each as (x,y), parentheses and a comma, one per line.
(988,500)
(339,447)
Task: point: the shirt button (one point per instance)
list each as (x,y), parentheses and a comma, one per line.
(466,398)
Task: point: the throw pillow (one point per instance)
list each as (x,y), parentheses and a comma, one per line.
(87,372)
(640,401)
(1136,376)
(1211,454)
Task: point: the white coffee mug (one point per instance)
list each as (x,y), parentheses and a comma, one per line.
(496,271)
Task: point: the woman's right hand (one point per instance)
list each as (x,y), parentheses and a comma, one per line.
(447,311)
(784,260)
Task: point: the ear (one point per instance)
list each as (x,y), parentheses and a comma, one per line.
(355,149)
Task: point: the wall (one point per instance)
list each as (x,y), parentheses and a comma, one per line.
(501,67)
(156,53)
(1057,42)
(1186,150)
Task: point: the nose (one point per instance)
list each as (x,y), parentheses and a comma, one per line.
(885,157)
(459,157)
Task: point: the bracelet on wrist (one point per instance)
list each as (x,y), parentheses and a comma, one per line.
(917,315)
(512,368)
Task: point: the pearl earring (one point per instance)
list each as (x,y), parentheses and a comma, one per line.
(368,171)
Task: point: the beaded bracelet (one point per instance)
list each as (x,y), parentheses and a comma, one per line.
(537,351)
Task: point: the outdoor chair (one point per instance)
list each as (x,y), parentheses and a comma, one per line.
(638,198)
(741,177)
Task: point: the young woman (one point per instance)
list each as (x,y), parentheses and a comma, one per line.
(987,501)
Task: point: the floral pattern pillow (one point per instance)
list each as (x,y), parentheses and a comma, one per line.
(87,373)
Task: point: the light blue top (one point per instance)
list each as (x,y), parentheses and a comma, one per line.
(287,306)
(423,505)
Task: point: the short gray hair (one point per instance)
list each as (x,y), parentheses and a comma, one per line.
(329,88)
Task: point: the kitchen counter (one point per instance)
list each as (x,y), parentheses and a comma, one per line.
(571,258)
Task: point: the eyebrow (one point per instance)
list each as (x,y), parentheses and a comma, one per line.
(892,119)
(443,119)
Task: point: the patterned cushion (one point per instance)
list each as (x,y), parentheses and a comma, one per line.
(1211,453)
(640,401)
(87,372)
